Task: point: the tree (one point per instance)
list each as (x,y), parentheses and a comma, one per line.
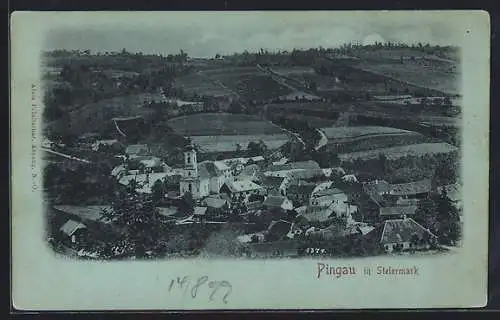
(139,220)
(383,163)
(449,227)
(235,107)
(158,191)
(256,148)
(188,202)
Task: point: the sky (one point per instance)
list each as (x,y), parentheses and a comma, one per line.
(204,34)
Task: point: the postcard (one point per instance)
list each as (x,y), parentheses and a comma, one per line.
(249,160)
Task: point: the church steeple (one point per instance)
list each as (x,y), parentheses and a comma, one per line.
(190,161)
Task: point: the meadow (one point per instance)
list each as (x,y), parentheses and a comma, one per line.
(212,124)
(227,143)
(97,116)
(347,133)
(393,153)
(196,83)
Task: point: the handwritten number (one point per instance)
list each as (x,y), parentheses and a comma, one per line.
(199,283)
(214,285)
(230,289)
(179,281)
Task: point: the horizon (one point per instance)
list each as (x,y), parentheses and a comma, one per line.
(204,34)
(254,51)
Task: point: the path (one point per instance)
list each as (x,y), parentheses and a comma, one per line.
(322,141)
(279,79)
(67,156)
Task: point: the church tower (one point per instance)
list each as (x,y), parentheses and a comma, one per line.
(190,162)
(190,179)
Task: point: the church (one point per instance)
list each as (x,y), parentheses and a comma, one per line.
(202,179)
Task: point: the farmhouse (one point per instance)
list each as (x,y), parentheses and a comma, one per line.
(274,185)
(236,188)
(92,217)
(291,166)
(278,230)
(75,231)
(327,197)
(405,234)
(215,205)
(277,202)
(416,189)
(400,211)
(98,144)
(199,212)
(317,214)
(300,192)
(144,182)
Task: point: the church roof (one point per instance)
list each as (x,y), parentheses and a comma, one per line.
(210,169)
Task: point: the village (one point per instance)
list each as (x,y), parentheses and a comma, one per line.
(275,190)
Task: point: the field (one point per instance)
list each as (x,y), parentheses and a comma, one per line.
(318,122)
(348,133)
(301,75)
(212,124)
(433,116)
(97,116)
(400,151)
(196,83)
(227,143)
(449,55)
(422,75)
(248,82)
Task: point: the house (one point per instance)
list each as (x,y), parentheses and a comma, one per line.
(277,202)
(153,163)
(241,188)
(118,171)
(199,212)
(397,211)
(416,189)
(96,145)
(215,205)
(92,217)
(274,185)
(144,181)
(250,172)
(299,165)
(328,196)
(307,175)
(300,192)
(331,232)
(278,230)
(75,231)
(137,149)
(344,210)
(405,234)
(317,214)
